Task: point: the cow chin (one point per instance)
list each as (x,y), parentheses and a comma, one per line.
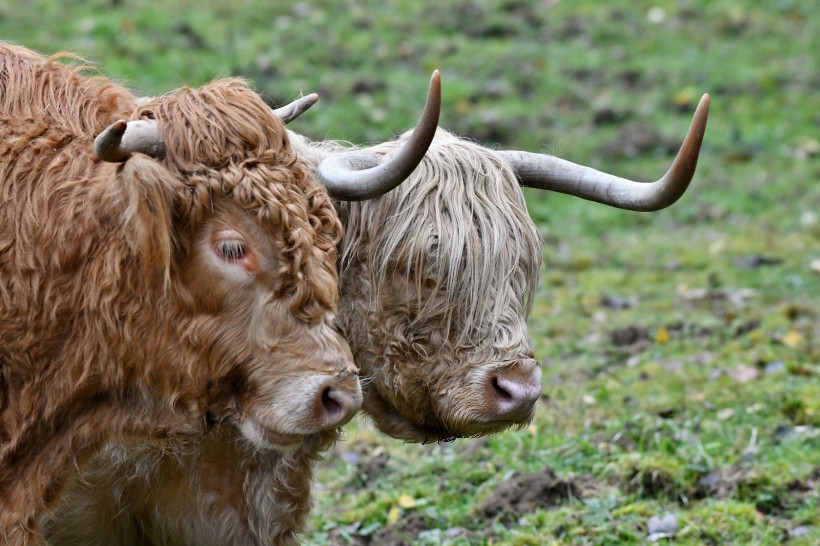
(389,420)
(392,422)
(300,405)
(264,438)
(486,400)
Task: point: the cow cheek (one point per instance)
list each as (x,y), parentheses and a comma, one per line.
(206,291)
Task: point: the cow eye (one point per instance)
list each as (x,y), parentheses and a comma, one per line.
(230,250)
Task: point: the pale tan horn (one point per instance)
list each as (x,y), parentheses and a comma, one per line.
(551,173)
(122,139)
(360,175)
(291,111)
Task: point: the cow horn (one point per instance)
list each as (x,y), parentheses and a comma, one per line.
(122,139)
(359,175)
(550,173)
(291,111)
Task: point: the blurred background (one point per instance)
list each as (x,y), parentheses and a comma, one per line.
(681,349)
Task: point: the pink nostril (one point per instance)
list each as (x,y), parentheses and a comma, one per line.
(333,407)
(513,395)
(338,402)
(502,393)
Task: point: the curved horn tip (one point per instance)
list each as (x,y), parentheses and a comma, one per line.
(114,131)
(358,176)
(697,129)
(312,99)
(119,126)
(435,86)
(293,110)
(428,122)
(702,110)
(106,144)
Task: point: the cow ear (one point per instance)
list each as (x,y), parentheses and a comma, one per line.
(150,193)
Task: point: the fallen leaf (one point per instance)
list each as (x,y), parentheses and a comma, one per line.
(393,515)
(792,338)
(685,97)
(406,501)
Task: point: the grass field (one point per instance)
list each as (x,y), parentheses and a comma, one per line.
(681,349)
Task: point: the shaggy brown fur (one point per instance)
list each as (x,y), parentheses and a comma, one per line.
(208,490)
(428,317)
(116,317)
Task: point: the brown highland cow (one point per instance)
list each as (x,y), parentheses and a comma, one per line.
(176,273)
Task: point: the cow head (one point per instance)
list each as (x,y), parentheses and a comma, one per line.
(246,241)
(437,279)
(243,241)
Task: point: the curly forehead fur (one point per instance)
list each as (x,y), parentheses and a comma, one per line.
(246,156)
(460,220)
(221,140)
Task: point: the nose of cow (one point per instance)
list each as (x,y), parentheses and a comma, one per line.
(512,392)
(337,401)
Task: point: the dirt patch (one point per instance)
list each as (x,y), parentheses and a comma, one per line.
(722,482)
(404,532)
(524,493)
(654,482)
(375,467)
(806,488)
(371,464)
(746,482)
(629,335)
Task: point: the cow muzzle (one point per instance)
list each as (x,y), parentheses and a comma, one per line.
(510,393)
(308,404)
(336,402)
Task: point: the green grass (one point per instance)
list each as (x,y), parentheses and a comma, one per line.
(713,413)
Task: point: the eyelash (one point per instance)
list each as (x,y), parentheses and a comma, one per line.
(231,250)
